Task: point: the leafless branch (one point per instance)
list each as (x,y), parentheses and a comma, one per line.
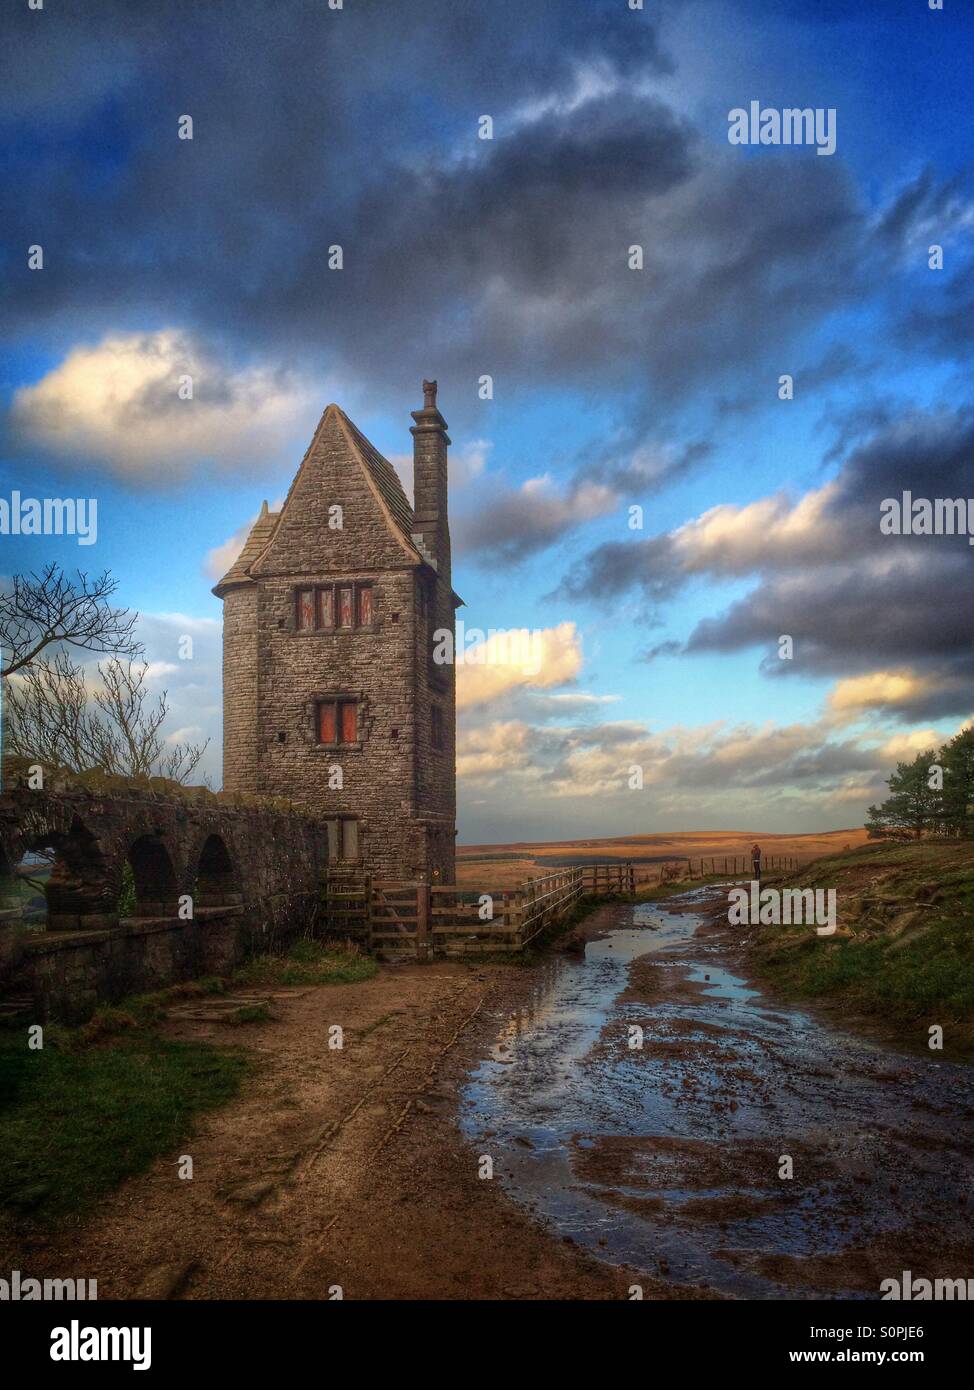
(47,608)
(52,718)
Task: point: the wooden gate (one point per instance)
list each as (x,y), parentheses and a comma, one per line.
(412,919)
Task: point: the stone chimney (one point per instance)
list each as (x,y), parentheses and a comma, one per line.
(431,530)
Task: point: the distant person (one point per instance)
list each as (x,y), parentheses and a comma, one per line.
(756,860)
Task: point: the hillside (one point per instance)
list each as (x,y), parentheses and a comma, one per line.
(904,947)
(505,865)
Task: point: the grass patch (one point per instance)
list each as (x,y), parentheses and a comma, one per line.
(248,1013)
(76,1121)
(307,963)
(905,947)
(100,1102)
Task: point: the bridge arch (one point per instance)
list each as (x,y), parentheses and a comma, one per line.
(77,888)
(153,876)
(217,880)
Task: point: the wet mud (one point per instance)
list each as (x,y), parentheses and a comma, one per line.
(735,1144)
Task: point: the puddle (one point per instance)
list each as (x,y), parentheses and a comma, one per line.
(667,1157)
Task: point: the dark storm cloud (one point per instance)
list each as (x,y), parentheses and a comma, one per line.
(783,757)
(852,599)
(946,327)
(857,618)
(311,126)
(833,367)
(645,470)
(252,49)
(316,127)
(837,364)
(830,762)
(848,425)
(513,523)
(928,453)
(668,648)
(617,566)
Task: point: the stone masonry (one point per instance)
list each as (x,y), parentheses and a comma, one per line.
(332,698)
(216,879)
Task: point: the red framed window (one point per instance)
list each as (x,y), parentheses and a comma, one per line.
(327,721)
(345,607)
(328,606)
(306,609)
(338,721)
(348,712)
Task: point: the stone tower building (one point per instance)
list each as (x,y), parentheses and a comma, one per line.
(331,694)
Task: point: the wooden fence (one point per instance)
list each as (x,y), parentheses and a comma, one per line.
(420,920)
(407,917)
(724,865)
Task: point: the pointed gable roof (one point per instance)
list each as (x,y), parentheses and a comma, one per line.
(384,477)
(380,477)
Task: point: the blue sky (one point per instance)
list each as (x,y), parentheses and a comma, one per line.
(612,387)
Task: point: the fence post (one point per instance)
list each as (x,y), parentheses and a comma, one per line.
(422,920)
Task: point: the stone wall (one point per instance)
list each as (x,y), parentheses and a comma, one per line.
(215,880)
(68,974)
(374,667)
(394,780)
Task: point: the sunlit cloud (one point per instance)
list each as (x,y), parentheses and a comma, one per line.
(122,405)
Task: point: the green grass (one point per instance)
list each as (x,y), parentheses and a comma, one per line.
(910,955)
(307,963)
(248,1013)
(76,1121)
(100,1102)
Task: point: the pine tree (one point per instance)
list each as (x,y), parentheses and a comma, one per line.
(914,806)
(957,760)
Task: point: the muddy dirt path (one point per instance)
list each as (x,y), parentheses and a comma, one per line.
(332,1169)
(360,1168)
(670,1156)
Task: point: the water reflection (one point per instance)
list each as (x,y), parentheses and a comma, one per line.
(668,1156)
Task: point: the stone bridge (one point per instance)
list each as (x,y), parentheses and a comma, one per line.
(215,879)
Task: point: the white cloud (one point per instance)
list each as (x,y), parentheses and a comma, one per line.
(518,658)
(116,405)
(878,690)
(772,531)
(157,670)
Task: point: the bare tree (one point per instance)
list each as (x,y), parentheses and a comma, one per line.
(52,717)
(43,609)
